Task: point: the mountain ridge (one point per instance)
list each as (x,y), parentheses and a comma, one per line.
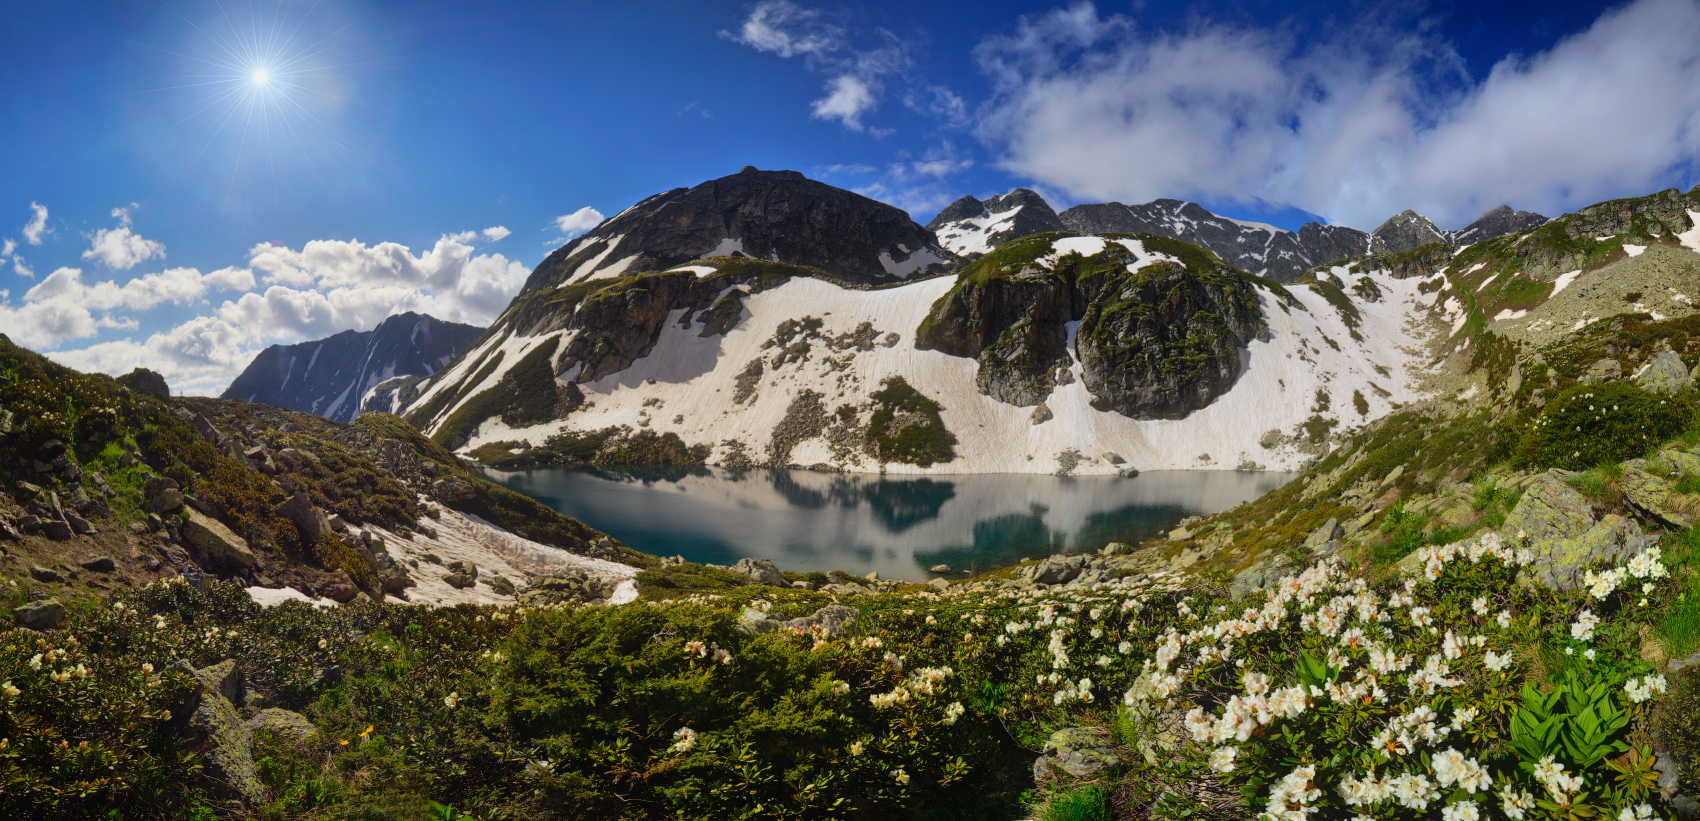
(332,376)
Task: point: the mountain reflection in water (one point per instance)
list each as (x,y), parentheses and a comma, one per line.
(804,520)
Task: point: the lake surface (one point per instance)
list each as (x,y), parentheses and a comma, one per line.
(898,525)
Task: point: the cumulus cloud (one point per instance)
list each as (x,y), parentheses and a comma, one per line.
(578,222)
(847,98)
(858,65)
(7,247)
(1355,125)
(920,186)
(19,268)
(120,248)
(496,233)
(199,356)
(786,29)
(37,225)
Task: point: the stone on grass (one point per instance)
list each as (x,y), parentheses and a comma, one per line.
(46,614)
(763,571)
(216,542)
(227,759)
(1665,374)
(1079,753)
(284,723)
(103,564)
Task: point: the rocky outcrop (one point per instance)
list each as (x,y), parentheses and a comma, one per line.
(1157,342)
(1556,524)
(830,621)
(283,723)
(771,215)
(331,376)
(227,742)
(569,587)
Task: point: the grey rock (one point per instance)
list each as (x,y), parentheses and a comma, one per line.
(1604,370)
(45,614)
(227,742)
(56,529)
(831,621)
(103,564)
(298,509)
(940,568)
(166,501)
(1075,752)
(1041,414)
(500,584)
(46,575)
(1665,374)
(1560,563)
(568,587)
(1054,570)
(1549,510)
(452,490)
(80,525)
(283,723)
(460,581)
(939,584)
(762,571)
(1649,495)
(217,543)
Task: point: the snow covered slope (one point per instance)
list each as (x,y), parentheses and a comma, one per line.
(765,364)
(971,228)
(332,376)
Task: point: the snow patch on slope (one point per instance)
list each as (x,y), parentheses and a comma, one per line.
(687,383)
(974,235)
(917,261)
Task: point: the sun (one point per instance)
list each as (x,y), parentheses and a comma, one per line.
(260,76)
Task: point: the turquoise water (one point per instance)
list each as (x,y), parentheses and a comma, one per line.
(898,525)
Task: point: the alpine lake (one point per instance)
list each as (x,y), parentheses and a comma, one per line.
(897,525)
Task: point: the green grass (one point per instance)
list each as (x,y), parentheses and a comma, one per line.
(916,444)
(1079,804)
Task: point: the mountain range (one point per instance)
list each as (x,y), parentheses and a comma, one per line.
(970,227)
(333,376)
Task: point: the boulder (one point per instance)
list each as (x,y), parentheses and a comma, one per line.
(460,581)
(227,743)
(56,529)
(452,490)
(46,614)
(165,501)
(1604,370)
(1079,753)
(1665,374)
(1054,569)
(338,587)
(1549,511)
(80,525)
(285,723)
(939,584)
(1329,531)
(103,564)
(762,571)
(216,542)
(1681,461)
(567,587)
(830,621)
(299,510)
(1649,495)
(1560,563)
(500,584)
(45,575)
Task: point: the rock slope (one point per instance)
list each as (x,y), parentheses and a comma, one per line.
(970,228)
(333,376)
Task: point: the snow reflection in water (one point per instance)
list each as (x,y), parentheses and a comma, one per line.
(898,525)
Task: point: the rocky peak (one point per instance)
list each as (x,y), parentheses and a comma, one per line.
(1259,249)
(780,216)
(1404,231)
(1496,222)
(970,227)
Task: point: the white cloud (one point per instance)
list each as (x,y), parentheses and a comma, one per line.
(848,97)
(19,268)
(1356,125)
(578,221)
(7,247)
(199,356)
(175,285)
(785,29)
(496,233)
(37,224)
(120,248)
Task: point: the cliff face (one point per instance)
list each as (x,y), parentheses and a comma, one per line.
(1159,323)
(780,216)
(331,376)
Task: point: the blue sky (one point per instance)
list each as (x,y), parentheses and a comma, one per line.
(161,206)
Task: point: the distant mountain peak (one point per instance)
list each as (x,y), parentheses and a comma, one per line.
(331,376)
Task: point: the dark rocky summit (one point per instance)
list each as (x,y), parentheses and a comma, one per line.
(971,228)
(1497,222)
(1404,231)
(772,215)
(330,376)
(1156,342)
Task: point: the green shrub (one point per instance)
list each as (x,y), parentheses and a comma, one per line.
(1587,425)
(1404,534)
(922,442)
(1086,803)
